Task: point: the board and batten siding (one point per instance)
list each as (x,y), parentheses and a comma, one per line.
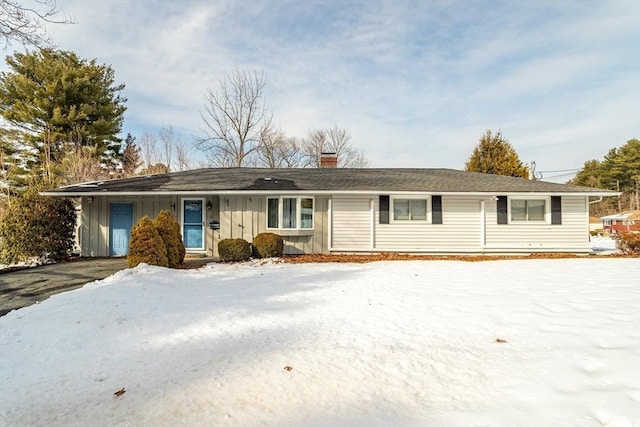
(94,221)
(245,216)
(570,236)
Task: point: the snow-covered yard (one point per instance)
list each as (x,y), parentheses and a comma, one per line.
(545,342)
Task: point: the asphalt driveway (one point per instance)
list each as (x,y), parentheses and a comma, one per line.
(22,288)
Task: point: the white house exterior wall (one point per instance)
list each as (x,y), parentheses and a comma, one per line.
(459,231)
(469,226)
(353,220)
(570,236)
(351,223)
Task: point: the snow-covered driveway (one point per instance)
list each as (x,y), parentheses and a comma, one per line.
(410,343)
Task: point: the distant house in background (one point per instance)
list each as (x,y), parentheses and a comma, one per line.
(626,221)
(595,224)
(332,210)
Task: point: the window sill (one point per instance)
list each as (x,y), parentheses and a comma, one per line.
(529,223)
(285,232)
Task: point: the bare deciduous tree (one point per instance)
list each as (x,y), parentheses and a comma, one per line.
(167,142)
(26,25)
(235,117)
(333,140)
(183,157)
(176,153)
(149,150)
(279,151)
(164,153)
(81,165)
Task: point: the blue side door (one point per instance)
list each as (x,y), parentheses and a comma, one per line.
(193,224)
(120,223)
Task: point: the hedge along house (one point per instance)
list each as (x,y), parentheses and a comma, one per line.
(335,210)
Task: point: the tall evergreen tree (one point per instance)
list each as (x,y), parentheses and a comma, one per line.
(494,154)
(130,156)
(589,175)
(621,166)
(619,171)
(61,103)
(12,172)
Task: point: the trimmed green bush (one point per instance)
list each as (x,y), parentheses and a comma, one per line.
(36,226)
(629,242)
(267,245)
(146,245)
(169,230)
(234,250)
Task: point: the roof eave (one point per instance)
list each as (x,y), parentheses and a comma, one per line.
(319,193)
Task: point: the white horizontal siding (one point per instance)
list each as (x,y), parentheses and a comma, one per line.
(459,231)
(351,223)
(571,235)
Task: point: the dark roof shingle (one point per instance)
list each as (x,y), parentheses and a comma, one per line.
(211,180)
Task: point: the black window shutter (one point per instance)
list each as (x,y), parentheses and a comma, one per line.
(436,209)
(384,210)
(556,210)
(501,206)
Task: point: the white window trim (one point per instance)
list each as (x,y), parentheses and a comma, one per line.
(392,202)
(298,213)
(547,209)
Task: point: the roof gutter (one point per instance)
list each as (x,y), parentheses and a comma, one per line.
(596,201)
(318,193)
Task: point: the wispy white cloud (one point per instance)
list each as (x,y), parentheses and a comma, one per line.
(416,83)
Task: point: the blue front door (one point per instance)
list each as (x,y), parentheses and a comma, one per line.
(193,224)
(120,223)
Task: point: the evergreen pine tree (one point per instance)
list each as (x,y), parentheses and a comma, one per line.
(61,102)
(131,156)
(494,154)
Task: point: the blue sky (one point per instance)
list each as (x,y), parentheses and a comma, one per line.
(415,83)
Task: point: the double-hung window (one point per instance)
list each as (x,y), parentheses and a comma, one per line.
(290,213)
(409,209)
(528,209)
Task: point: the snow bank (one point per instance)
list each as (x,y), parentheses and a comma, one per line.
(603,245)
(389,343)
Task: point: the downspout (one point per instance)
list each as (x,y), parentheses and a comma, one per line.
(372,231)
(483,227)
(330,225)
(589,215)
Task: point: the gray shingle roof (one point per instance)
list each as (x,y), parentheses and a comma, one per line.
(212,180)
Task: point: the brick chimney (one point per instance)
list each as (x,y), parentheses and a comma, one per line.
(328,160)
